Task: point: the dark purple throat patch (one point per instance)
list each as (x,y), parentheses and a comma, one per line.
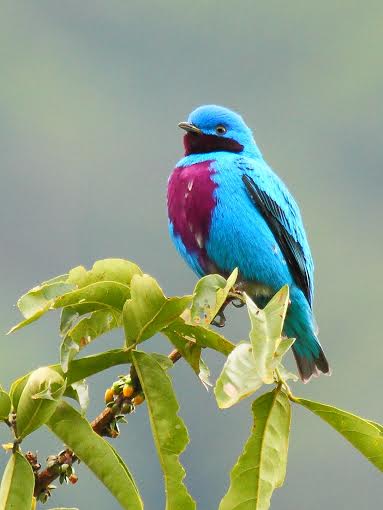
(191,202)
(195,143)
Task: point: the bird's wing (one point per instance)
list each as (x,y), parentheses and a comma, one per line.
(279,209)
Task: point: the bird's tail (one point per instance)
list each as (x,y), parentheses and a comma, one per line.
(308,352)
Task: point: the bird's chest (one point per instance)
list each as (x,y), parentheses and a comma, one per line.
(191,202)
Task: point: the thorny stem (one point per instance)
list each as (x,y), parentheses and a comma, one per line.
(100,425)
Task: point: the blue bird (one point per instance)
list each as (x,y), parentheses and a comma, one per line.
(228,209)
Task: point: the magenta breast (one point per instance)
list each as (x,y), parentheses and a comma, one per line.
(191,201)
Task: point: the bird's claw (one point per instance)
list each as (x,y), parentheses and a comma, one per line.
(238,303)
(219,320)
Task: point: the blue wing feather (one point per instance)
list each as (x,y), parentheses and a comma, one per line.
(273,200)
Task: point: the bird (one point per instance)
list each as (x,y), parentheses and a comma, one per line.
(228,209)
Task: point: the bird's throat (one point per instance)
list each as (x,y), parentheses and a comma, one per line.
(201,144)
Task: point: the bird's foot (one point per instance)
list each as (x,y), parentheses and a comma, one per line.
(219,320)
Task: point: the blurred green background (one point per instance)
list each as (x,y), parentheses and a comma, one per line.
(90,97)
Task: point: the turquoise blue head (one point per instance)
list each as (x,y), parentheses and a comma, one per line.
(212,128)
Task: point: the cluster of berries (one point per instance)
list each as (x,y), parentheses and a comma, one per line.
(124,388)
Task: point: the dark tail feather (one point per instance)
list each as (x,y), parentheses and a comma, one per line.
(310,365)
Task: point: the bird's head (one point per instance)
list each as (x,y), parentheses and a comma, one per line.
(212,128)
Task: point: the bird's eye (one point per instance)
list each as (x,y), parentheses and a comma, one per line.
(220,130)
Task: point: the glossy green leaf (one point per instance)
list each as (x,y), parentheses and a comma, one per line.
(148,311)
(39,399)
(364,435)
(87,330)
(266,332)
(239,377)
(169,432)
(75,431)
(17,484)
(200,335)
(113,270)
(5,405)
(261,467)
(209,295)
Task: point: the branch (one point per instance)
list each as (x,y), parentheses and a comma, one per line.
(104,425)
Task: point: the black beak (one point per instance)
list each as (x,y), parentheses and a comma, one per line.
(190,128)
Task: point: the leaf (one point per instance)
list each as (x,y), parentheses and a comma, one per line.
(75,431)
(191,352)
(39,399)
(85,367)
(239,377)
(210,293)
(16,490)
(201,335)
(113,270)
(42,298)
(261,467)
(79,369)
(81,390)
(148,311)
(266,332)
(169,432)
(85,331)
(39,300)
(5,405)
(364,435)
(99,294)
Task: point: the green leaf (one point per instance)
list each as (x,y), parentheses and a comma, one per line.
(79,369)
(200,335)
(85,367)
(266,333)
(75,431)
(42,298)
(39,300)
(210,294)
(5,405)
(17,485)
(239,377)
(39,399)
(191,352)
(261,467)
(148,311)
(98,294)
(87,330)
(364,435)
(113,270)
(81,390)
(169,432)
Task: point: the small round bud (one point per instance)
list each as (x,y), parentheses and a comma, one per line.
(109,394)
(117,387)
(138,399)
(64,468)
(73,478)
(115,408)
(127,391)
(126,408)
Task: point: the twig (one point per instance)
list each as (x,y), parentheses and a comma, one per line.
(101,425)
